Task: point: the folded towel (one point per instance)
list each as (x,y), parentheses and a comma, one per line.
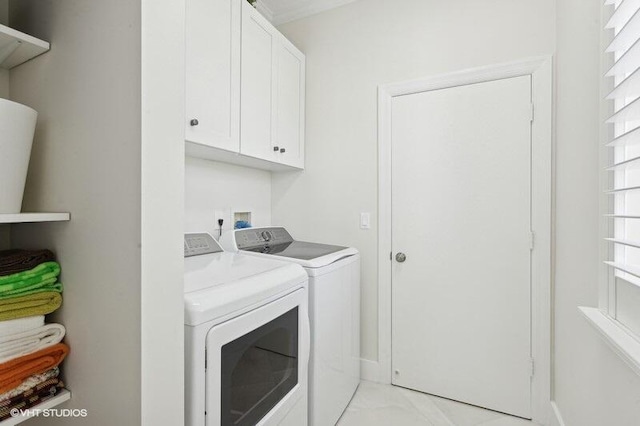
(16,371)
(31,397)
(32,381)
(43,389)
(42,277)
(44,287)
(25,306)
(21,324)
(23,343)
(13,261)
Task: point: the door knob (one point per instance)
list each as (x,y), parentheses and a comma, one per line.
(194,122)
(401,257)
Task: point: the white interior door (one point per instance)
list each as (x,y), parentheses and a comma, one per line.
(461,213)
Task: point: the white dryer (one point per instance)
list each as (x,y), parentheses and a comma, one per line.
(334,312)
(246,338)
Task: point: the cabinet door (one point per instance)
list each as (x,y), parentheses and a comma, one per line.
(213,73)
(257,100)
(289,111)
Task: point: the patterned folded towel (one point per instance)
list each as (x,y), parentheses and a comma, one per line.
(41,303)
(20,325)
(32,381)
(23,343)
(41,278)
(16,371)
(13,261)
(31,397)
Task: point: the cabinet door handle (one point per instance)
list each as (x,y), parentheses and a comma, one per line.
(194,122)
(282,150)
(276,149)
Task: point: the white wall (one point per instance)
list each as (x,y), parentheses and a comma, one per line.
(86,159)
(350,51)
(5,230)
(593,387)
(4,74)
(4,84)
(162,192)
(215,190)
(5,237)
(4,12)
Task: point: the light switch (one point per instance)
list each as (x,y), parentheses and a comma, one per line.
(365,221)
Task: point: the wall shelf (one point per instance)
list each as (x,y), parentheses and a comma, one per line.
(63,396)
(33,217)
(17,48)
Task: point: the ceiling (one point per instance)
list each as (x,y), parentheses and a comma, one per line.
(281,11)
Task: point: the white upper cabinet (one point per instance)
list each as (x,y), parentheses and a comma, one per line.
(258,72)
(272,104)
(213,73)
(289,110)
(245,88)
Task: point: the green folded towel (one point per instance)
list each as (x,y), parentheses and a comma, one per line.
(41,278)
(39,303)
(33,289)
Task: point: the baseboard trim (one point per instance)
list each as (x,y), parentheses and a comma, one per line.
(555,416)
(370,370)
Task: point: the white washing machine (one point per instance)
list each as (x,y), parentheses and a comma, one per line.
(246,338)
(334,312)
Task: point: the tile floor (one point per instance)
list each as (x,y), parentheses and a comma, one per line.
(386,405)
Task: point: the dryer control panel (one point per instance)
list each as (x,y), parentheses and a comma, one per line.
(199,244)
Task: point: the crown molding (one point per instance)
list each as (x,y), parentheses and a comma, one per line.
(264,10)
(304,9)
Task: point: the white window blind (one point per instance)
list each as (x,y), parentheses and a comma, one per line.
(623,143)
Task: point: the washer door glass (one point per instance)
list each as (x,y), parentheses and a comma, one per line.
(258,370)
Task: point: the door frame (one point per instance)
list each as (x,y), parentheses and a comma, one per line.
(541,71)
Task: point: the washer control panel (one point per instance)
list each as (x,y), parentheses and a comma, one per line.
(199,244)
(251,238)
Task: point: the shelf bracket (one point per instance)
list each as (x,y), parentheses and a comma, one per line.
(8,50)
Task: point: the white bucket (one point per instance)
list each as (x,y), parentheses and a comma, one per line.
(17,126)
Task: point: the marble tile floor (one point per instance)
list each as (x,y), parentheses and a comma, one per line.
(385,405)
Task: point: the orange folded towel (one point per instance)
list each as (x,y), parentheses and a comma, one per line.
(15,371)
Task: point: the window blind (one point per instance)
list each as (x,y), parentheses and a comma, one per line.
(623,77)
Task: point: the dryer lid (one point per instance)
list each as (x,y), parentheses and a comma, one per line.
(229,300)
(217,283)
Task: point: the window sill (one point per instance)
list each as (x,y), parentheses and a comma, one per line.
(616,336)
